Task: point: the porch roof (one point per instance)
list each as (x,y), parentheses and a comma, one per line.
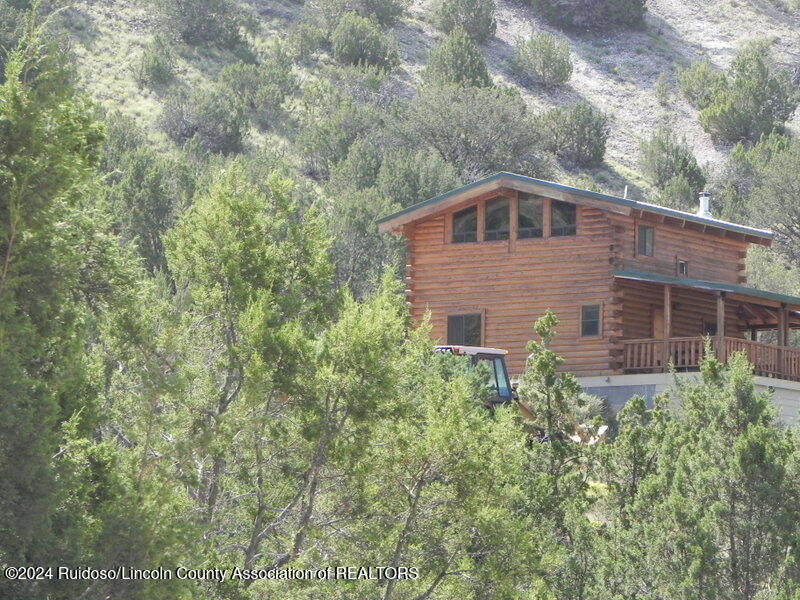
(766,298)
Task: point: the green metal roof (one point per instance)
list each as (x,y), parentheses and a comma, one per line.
(707,285)
(633,204)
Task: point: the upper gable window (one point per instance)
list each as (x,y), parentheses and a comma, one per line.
(563,218)
(465,225)
(644,240)
(530,218)
(496,219)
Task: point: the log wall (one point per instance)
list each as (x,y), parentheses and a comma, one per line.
(513,282)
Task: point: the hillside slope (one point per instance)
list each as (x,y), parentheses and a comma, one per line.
(616,72)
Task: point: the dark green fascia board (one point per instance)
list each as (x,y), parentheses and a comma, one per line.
(633,204)
(707,285)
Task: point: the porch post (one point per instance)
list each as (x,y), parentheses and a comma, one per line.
(783,337)
(720,338)
(665,353)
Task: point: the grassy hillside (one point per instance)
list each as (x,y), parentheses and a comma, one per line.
(618,71)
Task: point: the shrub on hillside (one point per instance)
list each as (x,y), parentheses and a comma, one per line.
(358,170)
(385,12)
(592,14)
(458,61)
(742,174)
(543,58)
(475,16)
(203,21)
(330,121)
(699,82)
(664,159)
(156,66)
(211,117)
(576,135)
(751,99)
(407,176)
(261,88)
(478,130)
(304,39)
(359,41)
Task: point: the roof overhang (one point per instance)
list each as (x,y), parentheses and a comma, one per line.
(761,298)
(512,181)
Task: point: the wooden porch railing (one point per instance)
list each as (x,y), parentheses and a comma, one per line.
(647,355)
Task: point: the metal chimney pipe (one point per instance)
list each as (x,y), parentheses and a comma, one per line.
(705,205)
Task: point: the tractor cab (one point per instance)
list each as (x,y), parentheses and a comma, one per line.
(494,359)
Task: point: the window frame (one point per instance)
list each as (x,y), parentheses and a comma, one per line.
(582,320)
(555,203)
(543,208)
(678,263)
(652,230)
(486,231)
(463,316)
(454,214)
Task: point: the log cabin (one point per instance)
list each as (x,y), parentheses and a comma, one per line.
(637,287)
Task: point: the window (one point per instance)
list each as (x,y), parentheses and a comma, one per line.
(465,225)
(682,268)
(464,330)
(563,218)
(590,320)
(501,379)
(530,218)
(709,327)
(496,220)
(644,241)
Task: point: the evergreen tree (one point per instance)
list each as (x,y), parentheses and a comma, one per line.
(457,60)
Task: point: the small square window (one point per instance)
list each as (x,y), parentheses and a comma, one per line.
(464,330)
(683,268)
(644,241)
(590,320)
(465,225)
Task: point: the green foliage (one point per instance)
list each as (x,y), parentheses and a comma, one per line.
(407,177)
(385,12)
(543,58)
(774,198)
(202,21)
(157,64)
(699,83)
(330,122)
(358,41)
(304,39)
(743,172)
(359,251)
(210,116)
(476,17)
(149,192)
(456,60)
(48,148)
(261,88)
(752,99)
(576,135)
(592,14)
(477,130)
(669,165)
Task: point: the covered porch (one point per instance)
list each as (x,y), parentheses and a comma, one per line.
(666,321)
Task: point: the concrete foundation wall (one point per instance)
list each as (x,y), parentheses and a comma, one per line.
(616,389)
